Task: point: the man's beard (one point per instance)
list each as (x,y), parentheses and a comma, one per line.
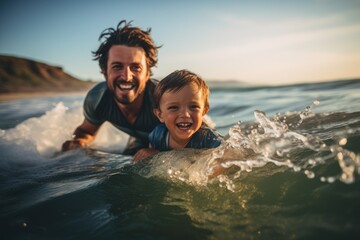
(125,98)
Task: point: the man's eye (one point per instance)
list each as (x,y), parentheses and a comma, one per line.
(117,67)
(136,68)
(172,108)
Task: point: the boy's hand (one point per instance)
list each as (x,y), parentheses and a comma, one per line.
(144,153)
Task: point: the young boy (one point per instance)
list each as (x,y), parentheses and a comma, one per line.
(180,102)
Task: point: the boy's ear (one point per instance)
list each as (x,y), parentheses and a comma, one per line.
(206,109)
(158,114)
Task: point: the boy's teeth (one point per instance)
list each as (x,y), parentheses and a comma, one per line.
(184,125)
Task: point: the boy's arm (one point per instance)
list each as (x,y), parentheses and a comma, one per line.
(144,153)
(150,151)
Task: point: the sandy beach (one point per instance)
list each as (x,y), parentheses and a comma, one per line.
(4,97)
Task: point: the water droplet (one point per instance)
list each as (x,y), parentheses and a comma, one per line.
(312,162)
(279,152)
(342,141)
(331,179)
(347,178)
(289,163)
(297,168)
(243,203)
(309,174)
(316,102)
(261,130)
(248,168)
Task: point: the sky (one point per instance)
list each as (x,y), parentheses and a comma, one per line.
(256,42)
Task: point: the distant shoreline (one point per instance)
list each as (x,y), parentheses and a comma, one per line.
(5,97)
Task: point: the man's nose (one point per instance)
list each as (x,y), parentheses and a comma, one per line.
(127,74)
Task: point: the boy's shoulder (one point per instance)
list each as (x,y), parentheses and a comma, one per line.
(206,137)
(157,137)
(159,129)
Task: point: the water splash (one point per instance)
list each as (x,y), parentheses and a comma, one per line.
(40,138)
(279,141)
(286,141)
(272,140)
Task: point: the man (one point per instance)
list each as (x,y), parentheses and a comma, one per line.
(126,56)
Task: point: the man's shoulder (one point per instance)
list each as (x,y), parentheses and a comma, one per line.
(151,84)
(94,96)
(97,91)
(99,88)
(150,87)
(153,81)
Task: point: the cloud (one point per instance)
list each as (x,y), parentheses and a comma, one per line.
(299,23)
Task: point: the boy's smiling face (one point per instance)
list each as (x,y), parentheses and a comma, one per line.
(182,111)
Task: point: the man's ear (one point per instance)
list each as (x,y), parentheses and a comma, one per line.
(104,72)
(158,114)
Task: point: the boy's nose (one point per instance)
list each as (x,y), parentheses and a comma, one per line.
(185,112)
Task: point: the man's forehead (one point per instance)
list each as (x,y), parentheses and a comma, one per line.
(123,53)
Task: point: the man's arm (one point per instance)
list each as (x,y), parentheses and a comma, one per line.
(82,136)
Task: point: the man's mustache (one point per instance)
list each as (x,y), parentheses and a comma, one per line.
(121,80)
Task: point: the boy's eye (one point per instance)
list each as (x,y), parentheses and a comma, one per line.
(195,107)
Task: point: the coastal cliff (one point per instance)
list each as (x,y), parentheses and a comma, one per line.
(20,75)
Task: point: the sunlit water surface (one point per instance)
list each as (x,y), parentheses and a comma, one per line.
(289,170)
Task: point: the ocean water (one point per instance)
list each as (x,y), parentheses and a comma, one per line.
(290,165)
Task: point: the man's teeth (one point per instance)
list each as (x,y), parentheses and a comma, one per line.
(183,125)
(123,86)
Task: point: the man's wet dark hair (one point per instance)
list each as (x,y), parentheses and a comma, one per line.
(129,36)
